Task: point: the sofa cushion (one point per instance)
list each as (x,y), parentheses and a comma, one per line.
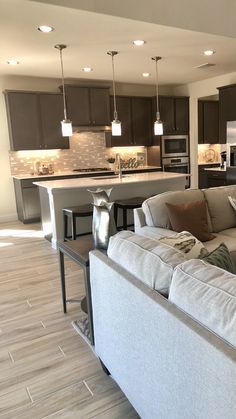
(220,257)
(154,208)
(186,243)
(190,216)
(148,260)
(221,212)
(208,294)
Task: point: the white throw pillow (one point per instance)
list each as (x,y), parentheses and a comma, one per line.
(186,243)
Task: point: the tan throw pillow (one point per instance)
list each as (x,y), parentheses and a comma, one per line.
(187,244)
(192,217)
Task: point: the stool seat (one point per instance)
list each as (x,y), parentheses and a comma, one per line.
(72,213)
(124,205)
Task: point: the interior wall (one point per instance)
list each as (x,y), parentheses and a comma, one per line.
(7,202)
(195,91)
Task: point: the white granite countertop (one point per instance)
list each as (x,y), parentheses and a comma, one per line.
(90,182)
(72,173)
(215,169)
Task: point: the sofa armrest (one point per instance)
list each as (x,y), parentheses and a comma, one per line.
(139,218)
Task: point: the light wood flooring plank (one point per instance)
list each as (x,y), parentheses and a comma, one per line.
(47,369)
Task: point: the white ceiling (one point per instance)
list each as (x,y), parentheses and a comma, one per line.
(89,36)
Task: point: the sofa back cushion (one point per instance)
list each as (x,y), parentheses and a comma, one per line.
(148,260)
(208,294)
(221,212)
(155,211)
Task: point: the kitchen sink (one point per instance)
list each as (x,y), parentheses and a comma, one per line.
(108,177)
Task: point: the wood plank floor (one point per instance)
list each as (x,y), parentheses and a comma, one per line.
(46,369)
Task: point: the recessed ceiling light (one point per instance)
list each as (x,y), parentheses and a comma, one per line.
(139,42)
(45,28)
(87,69)
(146,74)
(209,52)
(12,62)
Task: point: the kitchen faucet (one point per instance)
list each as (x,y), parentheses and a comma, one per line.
(118,166)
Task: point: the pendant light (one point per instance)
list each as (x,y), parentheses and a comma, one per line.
(158,125)
(66,124)
(116,124)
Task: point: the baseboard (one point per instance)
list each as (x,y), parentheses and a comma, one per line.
(6,218)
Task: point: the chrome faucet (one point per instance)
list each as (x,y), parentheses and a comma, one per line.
(118,166)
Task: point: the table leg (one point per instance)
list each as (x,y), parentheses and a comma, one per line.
(63,284)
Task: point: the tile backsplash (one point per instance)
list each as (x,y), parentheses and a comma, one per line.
(86,150)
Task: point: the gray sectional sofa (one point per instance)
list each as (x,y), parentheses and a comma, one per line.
(152,219)
(174,356)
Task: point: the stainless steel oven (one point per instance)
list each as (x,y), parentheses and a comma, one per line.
(177,165)
(174,146)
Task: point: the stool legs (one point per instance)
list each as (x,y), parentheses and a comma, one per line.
(65,226)
(124,219)
(73,228)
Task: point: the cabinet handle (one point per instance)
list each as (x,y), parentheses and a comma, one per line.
(94,122)
(46,146)
(40,146)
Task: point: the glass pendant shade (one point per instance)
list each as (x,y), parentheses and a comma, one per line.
(158,127)
(66,128)
(116,127)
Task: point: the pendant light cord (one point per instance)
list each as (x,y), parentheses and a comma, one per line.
(63,86)
(158,113)
(114,88)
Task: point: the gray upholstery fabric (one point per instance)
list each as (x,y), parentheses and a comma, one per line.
(208,294)
(154,208)
(168,365)
(148,260)
(223,216)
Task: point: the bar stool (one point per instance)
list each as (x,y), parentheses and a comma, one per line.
(124,205)
(71,213)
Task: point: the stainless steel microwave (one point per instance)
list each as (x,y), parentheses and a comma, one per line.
(174,146)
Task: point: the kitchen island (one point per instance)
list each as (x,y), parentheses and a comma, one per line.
(58,194)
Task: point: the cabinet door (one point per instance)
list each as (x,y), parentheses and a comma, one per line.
(227,109)
(141,121)
(208,122)
(23,120)
(100,109)
(78,105)
(181,107)
(51,111)
(123,105)
(167,114)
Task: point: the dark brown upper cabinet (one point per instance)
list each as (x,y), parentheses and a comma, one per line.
(174,113)
(135,114)
(88,106)
(227,109)
(34,120)
(208,122)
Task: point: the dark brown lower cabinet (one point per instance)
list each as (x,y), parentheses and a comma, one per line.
(216,179)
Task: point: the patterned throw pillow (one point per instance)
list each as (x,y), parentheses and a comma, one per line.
(187,244)
(221,257)
(232,202)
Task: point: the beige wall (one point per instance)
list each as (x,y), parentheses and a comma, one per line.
(7,202)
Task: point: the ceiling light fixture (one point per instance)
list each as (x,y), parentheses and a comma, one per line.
(158,125)
(209,52)
(45,28)
(66,124)
(146,74)
(139,42)
(87,69)
(116,124)
(12,62)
